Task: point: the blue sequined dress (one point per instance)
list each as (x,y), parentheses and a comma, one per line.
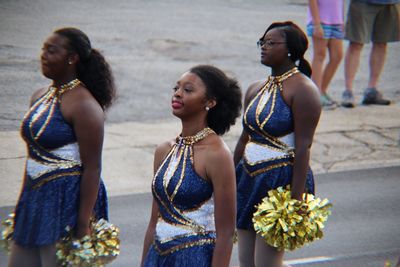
(267,161)
(185,231)
(49,200)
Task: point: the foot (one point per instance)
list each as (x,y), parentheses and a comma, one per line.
(327,103)
(374,97)
(347,99)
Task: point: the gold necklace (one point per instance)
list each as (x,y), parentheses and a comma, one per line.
(65,87)
(192,139)
(286,75)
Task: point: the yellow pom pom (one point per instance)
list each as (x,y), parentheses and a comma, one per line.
(98,249)
(287,223)
(6,233)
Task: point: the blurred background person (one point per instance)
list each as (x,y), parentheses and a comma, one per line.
(369,20)
(325,27)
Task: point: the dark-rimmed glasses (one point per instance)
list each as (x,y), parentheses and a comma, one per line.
(267,43)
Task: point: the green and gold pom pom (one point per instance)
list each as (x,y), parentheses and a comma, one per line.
(287,223)
(96,250)
(6,233)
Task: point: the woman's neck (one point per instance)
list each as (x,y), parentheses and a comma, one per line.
(279,70)
(63,80)
(190,128)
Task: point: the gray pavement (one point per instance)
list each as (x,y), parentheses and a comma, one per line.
(149,44)
(362,230)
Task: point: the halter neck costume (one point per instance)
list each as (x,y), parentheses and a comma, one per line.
(49,200)
(185,231)
(268,155)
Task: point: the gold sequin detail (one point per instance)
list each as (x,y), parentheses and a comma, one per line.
(271,86)
(190,140)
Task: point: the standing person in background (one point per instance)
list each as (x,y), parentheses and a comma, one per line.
(369,20)
(194,194)
(64,131)
(280,118)
(325,26)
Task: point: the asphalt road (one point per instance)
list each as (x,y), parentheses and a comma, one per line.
(149,44)
(363,229)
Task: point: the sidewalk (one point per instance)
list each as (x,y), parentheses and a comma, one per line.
(346,139)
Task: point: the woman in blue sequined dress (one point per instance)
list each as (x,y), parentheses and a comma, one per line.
(63,131)
(279,121)
(193,214)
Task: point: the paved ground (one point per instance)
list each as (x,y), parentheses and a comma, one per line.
(149,44)
(362,230)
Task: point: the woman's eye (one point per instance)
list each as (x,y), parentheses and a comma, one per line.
(175,88)
(187,89)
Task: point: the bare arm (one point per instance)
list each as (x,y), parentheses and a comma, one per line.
(244,137)
(87,118)
(223,180)
(150,232)
(314,10)
(161,152)
(306,110)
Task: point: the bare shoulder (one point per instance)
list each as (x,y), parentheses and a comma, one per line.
(37,94)
(217,151)
(303,85)
(254,88)
(161,153)
(79,103)
(163,148)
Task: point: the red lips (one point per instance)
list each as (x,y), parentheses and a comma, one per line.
(176,104)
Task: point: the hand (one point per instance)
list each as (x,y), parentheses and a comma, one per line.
(81,231)
(318,31)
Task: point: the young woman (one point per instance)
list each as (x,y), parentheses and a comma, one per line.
(193,215)
(281,114)
(64,134)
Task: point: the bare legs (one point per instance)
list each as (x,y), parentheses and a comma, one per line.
(246,245)
(322,76)
(376,63)
(254,252)
(351,63)
(33,257)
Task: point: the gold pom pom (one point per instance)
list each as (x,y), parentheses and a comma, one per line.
(6,234)
(287,223)
(96,250)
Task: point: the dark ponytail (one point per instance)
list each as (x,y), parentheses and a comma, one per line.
(92,69)
(305,67)
(296,43)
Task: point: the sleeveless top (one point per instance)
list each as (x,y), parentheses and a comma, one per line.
(49,200)
(52,146)
(185,201)
(269,122)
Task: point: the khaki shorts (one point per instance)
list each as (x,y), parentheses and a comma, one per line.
(370,22)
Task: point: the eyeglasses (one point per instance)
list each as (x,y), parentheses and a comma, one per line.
(268,43)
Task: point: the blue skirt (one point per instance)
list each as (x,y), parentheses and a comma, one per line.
(43,213)
(251,190)
(199,256)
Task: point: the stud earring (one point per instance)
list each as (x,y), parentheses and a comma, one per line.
(207,108)
(289,55)
(70,62)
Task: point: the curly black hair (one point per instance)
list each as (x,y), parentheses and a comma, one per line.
(92,69)
(296,43)
(227,93)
